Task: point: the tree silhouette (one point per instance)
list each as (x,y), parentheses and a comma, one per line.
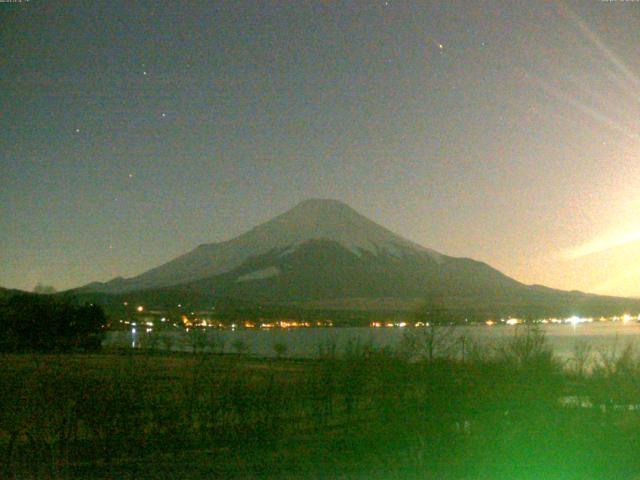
(42,323)
(280,348)
(43,289)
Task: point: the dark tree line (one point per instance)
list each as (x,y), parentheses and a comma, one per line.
(43,323)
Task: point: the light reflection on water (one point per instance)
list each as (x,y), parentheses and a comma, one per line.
(307,342)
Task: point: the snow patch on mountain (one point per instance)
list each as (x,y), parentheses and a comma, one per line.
(309,220)
(259,274)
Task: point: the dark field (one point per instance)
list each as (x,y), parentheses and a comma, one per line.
(510,413)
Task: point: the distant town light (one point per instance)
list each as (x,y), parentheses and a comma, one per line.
(140,308)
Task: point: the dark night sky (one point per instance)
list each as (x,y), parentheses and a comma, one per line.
(502,131)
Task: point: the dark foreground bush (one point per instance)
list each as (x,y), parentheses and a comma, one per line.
(42,323)
(511,412)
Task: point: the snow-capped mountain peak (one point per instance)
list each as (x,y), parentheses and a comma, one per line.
(314,219)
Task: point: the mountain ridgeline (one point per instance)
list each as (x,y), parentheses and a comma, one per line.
(323,255)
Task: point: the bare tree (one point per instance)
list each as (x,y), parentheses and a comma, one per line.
(434,336)
(280,348)
(240,346)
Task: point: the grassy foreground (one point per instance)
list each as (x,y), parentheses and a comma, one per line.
(513,412)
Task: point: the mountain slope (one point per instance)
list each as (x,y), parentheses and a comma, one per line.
(324,255)
(309,220)
(6,293)
(326,269)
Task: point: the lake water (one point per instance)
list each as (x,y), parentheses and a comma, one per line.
(307,342)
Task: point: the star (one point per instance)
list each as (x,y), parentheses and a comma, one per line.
(440,46)
(144,73)
(164,115)
(131,175)
(77,130)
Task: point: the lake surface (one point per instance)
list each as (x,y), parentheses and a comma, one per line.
(308,342)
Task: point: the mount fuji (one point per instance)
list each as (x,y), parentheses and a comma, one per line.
(322,254)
